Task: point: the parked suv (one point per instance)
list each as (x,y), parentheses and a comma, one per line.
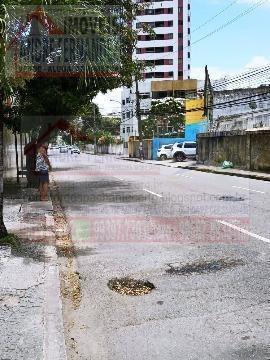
(165,152)
(182,151)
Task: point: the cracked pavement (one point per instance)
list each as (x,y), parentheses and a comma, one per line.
(30,308)
(137,220)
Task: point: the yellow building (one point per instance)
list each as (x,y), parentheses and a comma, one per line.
(194,111)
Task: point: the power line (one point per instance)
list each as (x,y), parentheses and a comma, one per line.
(237,102)
(246,12)
(214,17)
(242,77)
(230,22)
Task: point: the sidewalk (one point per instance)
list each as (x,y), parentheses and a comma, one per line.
(192,165)
(31,326)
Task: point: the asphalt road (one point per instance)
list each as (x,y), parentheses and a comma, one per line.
(136,220)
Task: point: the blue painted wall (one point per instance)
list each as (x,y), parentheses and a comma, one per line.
(190,135)
(193,129)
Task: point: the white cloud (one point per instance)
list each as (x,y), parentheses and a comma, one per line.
(105,104)
(257,61)
(214,71)
(218,73)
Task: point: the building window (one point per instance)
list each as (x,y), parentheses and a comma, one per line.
(124,130)
(123,102)
(159,11)
(145,96)
(159,75)
(128,129)
(149,11)
(127,100)
(149,75)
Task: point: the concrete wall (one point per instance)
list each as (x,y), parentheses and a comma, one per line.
(260,151)
(134,148)
(113,149)
(246,150)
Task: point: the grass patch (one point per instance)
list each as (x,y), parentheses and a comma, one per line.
(10,240)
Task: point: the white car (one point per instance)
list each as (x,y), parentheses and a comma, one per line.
(75,150)
(182,151)
(165,152)
(63,149)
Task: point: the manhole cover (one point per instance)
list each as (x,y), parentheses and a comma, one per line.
(201,267)
(231,198)
(132,287)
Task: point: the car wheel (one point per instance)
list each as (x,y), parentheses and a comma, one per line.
(180,157)
(163,157)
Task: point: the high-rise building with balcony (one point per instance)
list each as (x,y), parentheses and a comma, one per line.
(166,54)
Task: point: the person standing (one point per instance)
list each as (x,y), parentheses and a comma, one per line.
(42,168)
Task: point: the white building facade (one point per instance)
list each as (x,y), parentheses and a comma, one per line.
(241,109)
(166,56)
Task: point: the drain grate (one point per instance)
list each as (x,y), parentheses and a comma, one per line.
(230,198)
(202,267)
(132,287)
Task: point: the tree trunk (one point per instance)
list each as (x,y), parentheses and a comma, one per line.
(17,156)
(3,230)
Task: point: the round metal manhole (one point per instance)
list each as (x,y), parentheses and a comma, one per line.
(132,287)
(231,198)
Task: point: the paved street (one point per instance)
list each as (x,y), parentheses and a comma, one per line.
(147,222)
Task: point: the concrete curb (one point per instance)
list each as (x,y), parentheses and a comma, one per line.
(206,170)
(228,173)
(54,347)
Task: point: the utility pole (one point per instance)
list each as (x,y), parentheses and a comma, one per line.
(95,131)
(208,100)
(139,117)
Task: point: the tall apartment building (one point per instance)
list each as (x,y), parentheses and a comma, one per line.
(167,55)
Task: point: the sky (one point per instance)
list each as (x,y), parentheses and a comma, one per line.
(240,46)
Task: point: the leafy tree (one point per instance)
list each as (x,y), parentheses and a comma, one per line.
(42,101)
(164,114)
(111,124)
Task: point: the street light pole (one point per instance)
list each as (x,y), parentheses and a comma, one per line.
(95,131)
(139,118)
